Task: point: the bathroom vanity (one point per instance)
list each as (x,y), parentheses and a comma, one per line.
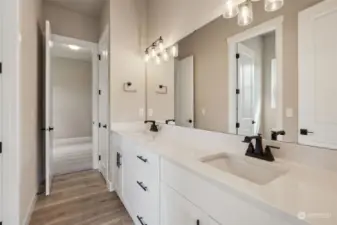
(183,176)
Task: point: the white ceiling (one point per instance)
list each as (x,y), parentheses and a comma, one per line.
(63,51)
(91,8)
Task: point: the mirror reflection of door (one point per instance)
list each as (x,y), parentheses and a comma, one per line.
(248,112)
(184,92)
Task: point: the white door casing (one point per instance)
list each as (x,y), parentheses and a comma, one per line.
(48,129)
(184,89)
(1,95)
(317,75)
(104,106)
(246,85)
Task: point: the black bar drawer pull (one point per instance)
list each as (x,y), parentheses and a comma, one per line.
(141,184)
(141,220)
(142,158)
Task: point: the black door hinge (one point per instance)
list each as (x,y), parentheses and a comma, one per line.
(0,73)
(0,153)
(99,57)
(305,132)
(237,56)
(99,125)
(237,125)
(99,158)
(237,91)
(99,92)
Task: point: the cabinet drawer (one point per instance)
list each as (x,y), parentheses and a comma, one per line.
(147,163)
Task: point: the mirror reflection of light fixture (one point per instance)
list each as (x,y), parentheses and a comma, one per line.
(153,51)
(273,5)
(74,47)
(245,16)
(51,44)
(230,9)
(174,51)
(158,61)
(165,55)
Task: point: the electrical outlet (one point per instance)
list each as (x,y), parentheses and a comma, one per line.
(141,112)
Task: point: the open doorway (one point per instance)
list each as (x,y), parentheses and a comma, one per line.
(72,105)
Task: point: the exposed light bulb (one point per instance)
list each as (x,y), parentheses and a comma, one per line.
(174,50)
(147,56)
(158,61)
(161,46)
(273,5)
(231,9)
(245,16)
(74,47)
(153,52)
(165,56)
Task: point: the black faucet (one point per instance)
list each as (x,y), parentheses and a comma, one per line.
(154,127)
(275,134)
(258,152)
(168,121)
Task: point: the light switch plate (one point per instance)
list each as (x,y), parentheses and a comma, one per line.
(289,113)
(141,112)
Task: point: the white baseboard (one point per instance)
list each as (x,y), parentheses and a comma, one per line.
(110,186)
(69,141)
(30,211)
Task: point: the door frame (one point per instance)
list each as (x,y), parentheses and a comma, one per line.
(10,120)
(94,52)
(266,27)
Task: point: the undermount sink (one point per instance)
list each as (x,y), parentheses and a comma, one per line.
(254,170)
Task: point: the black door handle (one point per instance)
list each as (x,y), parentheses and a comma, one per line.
(305,132)
(141,220)
(253,122)
(141,184)
(105,126)
(198,222)
(51,128)
(142,158)
(119,160)
(190,121)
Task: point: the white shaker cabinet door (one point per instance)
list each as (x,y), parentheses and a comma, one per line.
(179,211)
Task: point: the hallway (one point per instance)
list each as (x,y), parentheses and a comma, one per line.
(80,199)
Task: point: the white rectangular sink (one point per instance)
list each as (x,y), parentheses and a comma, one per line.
(254,170)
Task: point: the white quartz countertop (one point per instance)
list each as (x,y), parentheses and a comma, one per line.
(302,192)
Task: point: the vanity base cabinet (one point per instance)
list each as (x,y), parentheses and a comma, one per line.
(176,210)
(116,163)
(141,184)
(224,205)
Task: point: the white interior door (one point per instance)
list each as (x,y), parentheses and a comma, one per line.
(184,110)
(104,120)
(246,85)
(1,169)
(317,75)
(48,111)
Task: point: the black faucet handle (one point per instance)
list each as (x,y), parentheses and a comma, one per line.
(168,121)
(274,147)
(150,121)
(247,140)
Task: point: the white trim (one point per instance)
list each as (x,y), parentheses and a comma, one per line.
(271,25)
(29,214)
(69,141)
(11,109)
(105,34)
(110,186)
(94,50)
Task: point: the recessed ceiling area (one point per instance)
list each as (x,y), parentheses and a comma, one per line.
(91,8)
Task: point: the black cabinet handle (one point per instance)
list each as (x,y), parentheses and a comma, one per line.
(141,220)
(119,160)
(198,222)
(142,158)
(141,184)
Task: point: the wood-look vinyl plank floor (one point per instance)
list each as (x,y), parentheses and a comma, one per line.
(80,199)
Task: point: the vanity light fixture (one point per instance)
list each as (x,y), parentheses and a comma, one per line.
(158,52)
(244,9)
